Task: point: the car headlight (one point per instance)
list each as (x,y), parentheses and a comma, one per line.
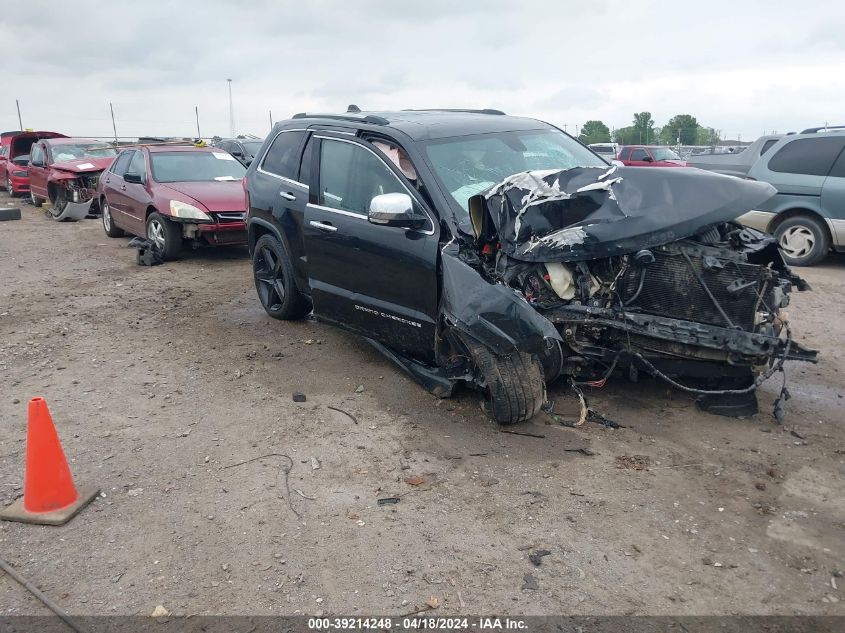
(187,211)
(19,174)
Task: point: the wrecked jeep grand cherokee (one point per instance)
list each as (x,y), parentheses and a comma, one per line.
(476,248)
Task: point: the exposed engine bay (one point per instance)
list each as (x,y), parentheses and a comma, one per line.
(632,270)
(73,193)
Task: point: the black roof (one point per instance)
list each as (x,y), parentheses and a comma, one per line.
(423,125)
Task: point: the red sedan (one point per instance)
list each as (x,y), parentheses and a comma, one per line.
(650,156)
(172,194)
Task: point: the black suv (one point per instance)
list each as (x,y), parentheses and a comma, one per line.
(497,251)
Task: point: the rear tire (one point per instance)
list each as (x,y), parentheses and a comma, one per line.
(35,200)
(803,239)
(275,280)
(109,226)
(165,234)
(515,387)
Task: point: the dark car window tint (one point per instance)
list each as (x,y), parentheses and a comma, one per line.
(120,164)
(808,156)
(283,156)
(351,176)
(768,145)
(136,165)
(838,170)
(639,154)
(305,163)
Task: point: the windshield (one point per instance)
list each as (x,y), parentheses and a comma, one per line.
(468,165)
(74,151)
(195,166)
(664,153)
(252,147)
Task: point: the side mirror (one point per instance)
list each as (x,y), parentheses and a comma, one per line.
(648,159)
(237,154)
(36,163)
(135,179)
(394,209)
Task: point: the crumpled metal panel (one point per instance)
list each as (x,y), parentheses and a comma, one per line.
(592,212)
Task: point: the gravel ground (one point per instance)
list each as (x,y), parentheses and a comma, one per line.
(164,382)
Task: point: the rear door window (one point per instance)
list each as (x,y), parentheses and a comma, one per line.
(808,156)
(282,158)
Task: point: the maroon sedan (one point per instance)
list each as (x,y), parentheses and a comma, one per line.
(174,193)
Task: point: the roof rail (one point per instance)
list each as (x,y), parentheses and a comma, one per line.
(349,116)
(470,111)
(824,128)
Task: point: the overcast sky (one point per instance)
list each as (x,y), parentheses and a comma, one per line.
(743,67)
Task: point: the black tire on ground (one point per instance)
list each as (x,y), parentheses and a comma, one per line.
(275,281)
(35,200)
(515,387)
(109,226)
(165,234)
(804,240)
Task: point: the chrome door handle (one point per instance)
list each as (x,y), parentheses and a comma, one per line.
(287,195)
(323,226)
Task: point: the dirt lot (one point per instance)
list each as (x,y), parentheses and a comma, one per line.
(164,381)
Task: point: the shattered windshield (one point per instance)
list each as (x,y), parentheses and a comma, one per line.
(664,153)
(74,151)
(468,165)
(195,167)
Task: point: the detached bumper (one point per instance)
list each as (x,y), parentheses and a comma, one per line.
(72,211)
(223,233)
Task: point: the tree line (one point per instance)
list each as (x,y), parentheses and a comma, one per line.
(681,129)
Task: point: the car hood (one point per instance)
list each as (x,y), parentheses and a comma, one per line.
(84,165)
(593,212)
(223,195)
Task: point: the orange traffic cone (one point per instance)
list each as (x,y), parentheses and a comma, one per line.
(49,496)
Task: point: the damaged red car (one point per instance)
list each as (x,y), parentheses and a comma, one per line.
(14,158)
(173,194)
(65,172)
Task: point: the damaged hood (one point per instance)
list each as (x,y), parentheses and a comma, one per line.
(84,165)
(216,196)
(593,212)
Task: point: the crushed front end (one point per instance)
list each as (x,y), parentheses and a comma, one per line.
(644,272)
(72,187)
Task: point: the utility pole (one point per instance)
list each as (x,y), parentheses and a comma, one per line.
(113,126)
(197,112)
(20,122)
(231,112)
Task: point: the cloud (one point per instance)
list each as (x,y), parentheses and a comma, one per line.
(741,67)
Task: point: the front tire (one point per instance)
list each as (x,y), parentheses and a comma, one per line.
(165,234)
(514,383)
(275,281)
(109,226)
(9,188)
(803,239)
